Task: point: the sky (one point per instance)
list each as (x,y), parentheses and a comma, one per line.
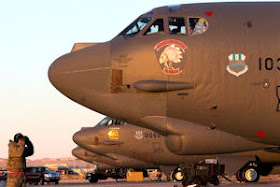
(33,33)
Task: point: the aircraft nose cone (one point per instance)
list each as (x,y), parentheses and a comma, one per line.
(80,138)
(79,74)
(77,152)
(62,72)
(53,72)
(86,137)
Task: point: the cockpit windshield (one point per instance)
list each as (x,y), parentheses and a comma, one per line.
(177,25)
(109,122)
(156,28)
(104,121)
(135,27)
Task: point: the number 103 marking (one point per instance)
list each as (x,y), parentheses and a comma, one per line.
(269,64)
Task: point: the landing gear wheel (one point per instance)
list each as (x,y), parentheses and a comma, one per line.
(238,176)
(178,174)
(250,174)
(93,179)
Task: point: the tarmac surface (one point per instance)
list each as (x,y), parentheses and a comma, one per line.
(158,184)
(123,183)
(270,181)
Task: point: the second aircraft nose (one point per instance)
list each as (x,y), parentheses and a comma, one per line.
(77,152)
(86,137)
(80,138)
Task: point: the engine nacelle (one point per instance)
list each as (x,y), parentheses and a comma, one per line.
(186,138)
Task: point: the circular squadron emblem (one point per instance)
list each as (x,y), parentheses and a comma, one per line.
(171,54)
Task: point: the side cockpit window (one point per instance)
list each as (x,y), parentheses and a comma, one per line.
(111,122)
(197,25)
(136,27)
(156,28)
(118,122)
(105,122)
(177,25)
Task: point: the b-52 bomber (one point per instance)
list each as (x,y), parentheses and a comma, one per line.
(114,166)
(175,67)
(92,158)
(114,137)
(113,160)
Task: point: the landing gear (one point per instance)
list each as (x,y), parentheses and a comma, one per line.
(93,178)
(249,173)
(238,176)
(178,174)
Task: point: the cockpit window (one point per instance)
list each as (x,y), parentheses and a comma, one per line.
(118,122)
(177,25)
(136,27)
(104,121)
(156,27)
(197,25)
(110,122)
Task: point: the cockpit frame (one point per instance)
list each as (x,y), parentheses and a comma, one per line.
(166,31)
(107,121)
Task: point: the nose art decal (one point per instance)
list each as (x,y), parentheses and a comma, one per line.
(171,55)
(113,134)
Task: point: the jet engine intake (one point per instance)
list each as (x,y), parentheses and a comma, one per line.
(174,143)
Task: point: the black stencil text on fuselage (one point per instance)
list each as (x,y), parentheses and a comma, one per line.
(278,97)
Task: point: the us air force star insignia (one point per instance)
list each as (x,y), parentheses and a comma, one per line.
(138,135)
(237,65)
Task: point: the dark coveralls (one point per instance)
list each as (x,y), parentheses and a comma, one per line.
(16,162)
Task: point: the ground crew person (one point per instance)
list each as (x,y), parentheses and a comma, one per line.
(20,148)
